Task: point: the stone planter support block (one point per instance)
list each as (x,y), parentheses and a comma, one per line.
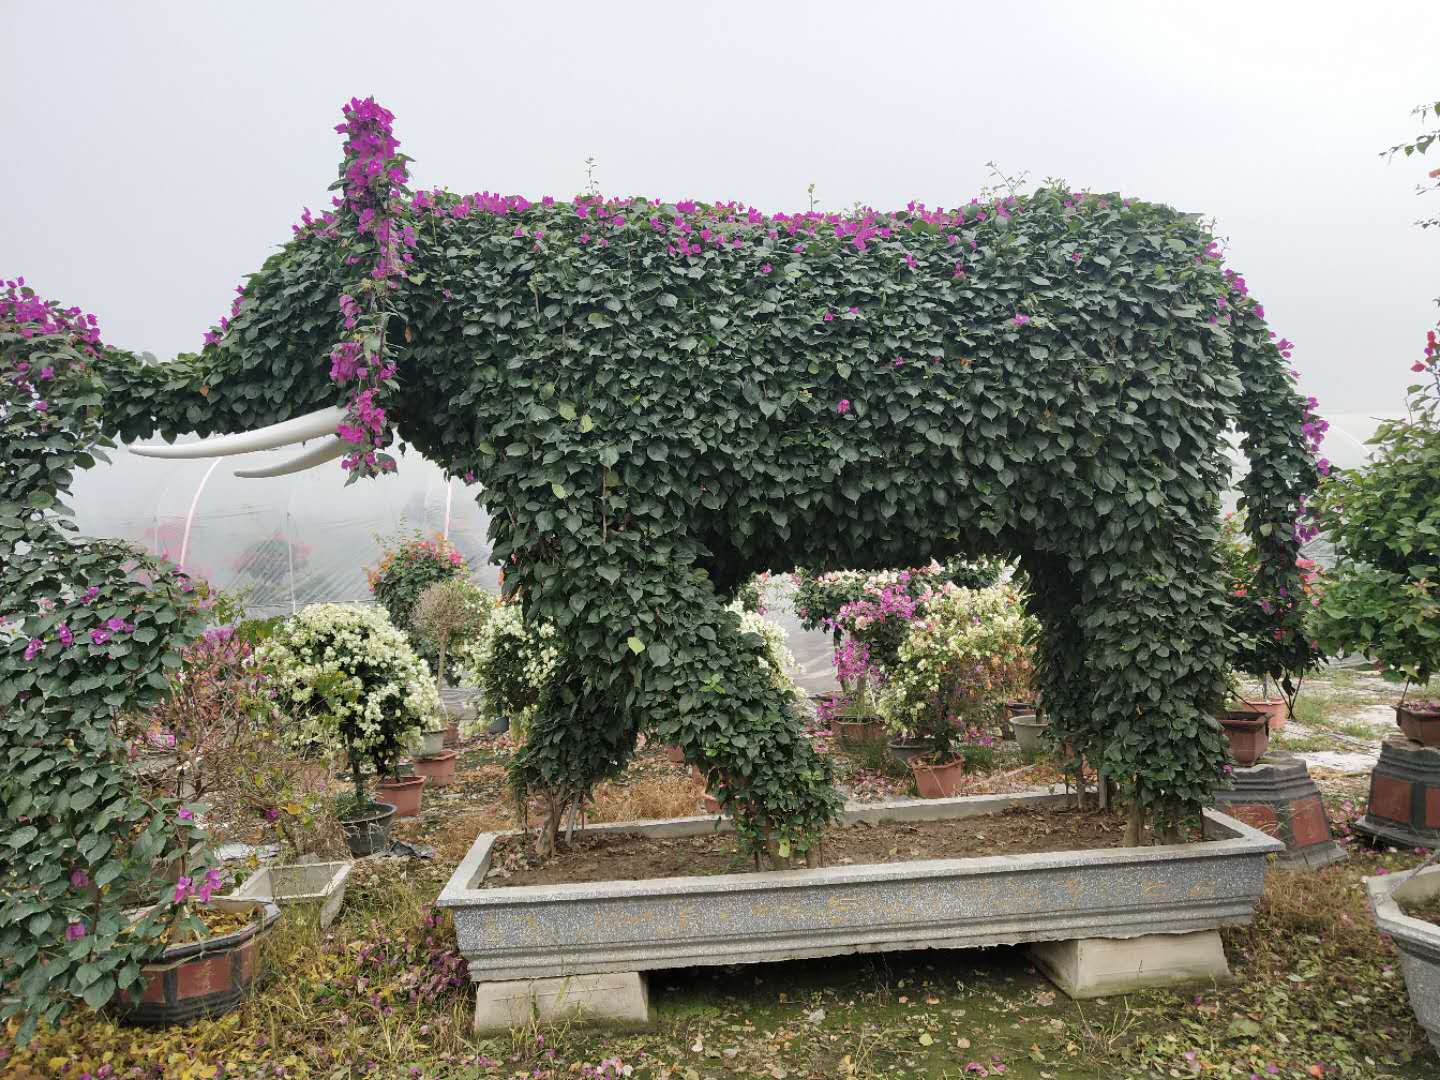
(619,999)
(1404,807)
(1277,796)
(1098,967)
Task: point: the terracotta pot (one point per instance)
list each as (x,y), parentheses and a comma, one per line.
(438,771)
(1248,734)
(1422,725)
(452,735)
(432,742)
(368,833)
(674,754)
(403,794)
(200,978)
(937,781)
(907,750)
(1019,708)
(712,804)
(1275,711)
(853,734)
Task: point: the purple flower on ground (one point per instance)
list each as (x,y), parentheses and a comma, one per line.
(186,814)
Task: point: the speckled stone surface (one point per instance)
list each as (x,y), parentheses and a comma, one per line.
(546,931)
(1417,940)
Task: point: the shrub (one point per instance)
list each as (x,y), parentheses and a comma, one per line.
(512,662)
(349,681)
(408,566)
(1272,635)
(969,654)
(1384,519)
(449,612)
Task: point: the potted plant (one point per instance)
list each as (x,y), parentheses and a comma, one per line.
(857,721)
(1269,622)
(349,680)
(1248,732)
(208,958)
(449,611)
(410,563)
(511,661)
(1380,599)
(954,672)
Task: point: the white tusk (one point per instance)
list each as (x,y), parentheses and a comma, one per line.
(328,450)
(310,426)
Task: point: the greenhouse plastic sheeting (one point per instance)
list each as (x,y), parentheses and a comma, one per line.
(288,541)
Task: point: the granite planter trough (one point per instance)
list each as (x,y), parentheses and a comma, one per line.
(1417,940)
(311,890)
(1098,921)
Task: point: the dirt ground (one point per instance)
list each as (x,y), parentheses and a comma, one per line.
(628,857)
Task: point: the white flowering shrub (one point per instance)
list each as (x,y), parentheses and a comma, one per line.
(349,680)
(971,652)
(776,654)
(512,662)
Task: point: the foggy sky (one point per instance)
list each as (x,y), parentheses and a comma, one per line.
(156,153)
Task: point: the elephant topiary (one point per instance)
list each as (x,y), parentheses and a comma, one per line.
(658,399)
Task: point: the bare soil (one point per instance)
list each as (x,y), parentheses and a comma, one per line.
(631,857)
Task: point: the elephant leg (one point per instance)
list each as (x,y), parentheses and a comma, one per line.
(1062,674)
(1156,654)
(657,650)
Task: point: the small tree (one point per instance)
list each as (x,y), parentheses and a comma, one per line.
(350,681)
(447,612)
(1383,598)
(411,564)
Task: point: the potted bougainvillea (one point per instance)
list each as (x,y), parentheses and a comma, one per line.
(1384,519)
(1271,628)
(350,681)
(511,661)
(411,563)
(953,674)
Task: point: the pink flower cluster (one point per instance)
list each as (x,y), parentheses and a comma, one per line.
(375,178)
(185,887)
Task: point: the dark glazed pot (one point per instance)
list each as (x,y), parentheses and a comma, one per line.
(369,833)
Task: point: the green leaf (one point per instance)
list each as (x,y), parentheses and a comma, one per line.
(636,645)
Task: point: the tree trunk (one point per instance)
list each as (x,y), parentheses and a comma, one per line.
(1135,827)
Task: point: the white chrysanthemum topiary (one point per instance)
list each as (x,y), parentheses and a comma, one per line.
(350,681)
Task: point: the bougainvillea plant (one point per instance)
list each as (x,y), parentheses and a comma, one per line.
(348,680)
(88,631)
(1383,597)
(1273,635)
(969,654)
(410,564)
(662,398)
